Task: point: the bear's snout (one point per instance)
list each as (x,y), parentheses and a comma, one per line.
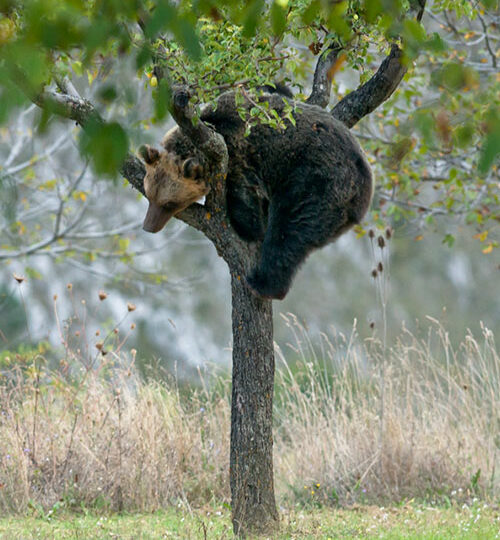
(157,217)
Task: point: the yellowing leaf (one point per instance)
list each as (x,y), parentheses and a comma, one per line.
(337,65)
(488,249)
(91,75)
(80,195)
(419,237)
(481,236)
(50,184)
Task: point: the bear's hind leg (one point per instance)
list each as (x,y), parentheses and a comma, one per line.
(294,230)
(247,205)
(298,224)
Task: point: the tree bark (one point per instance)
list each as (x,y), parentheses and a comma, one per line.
(323,74)
(251,458)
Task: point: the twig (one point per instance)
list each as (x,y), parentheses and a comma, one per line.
(487,40)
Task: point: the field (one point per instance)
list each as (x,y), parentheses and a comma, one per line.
(370,442)
(480,521)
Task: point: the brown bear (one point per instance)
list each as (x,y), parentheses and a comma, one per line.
(171,184)
(294,189)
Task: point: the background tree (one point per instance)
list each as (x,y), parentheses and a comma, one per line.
(213,46)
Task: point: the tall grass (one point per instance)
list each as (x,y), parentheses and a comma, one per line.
(360,421)
(354,420)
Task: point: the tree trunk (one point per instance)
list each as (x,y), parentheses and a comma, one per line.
(251,460)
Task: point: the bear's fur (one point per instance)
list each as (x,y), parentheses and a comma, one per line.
(171,184)
(295,189)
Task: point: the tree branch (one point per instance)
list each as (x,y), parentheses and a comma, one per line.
(370,95)
(487,40)
(133,171)
(323,76)
(207,140)
(379,88)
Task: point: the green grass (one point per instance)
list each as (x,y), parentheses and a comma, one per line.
(480,521)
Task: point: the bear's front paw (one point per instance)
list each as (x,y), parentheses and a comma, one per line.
(264,288)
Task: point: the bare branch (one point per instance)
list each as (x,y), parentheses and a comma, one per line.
(66,86)
(487,40)
(323,76)
(370,95)
(92,235)
(133,171)
(59,144)
(69,106)
(379,88)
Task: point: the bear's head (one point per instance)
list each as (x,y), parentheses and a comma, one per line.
(171,185)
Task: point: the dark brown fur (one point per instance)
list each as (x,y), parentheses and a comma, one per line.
(295,189)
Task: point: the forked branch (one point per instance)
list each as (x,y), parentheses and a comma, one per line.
(83,111)
(375,91)
(380,87)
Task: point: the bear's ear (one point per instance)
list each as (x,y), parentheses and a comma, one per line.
(192,169)
(149,154)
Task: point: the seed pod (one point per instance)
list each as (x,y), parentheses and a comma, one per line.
(381,242)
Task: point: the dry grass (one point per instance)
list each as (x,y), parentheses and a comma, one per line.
(357,422)
(353,422)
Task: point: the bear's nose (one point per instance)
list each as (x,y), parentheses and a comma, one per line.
(157,217)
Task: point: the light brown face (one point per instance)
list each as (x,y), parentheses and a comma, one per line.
(171,185)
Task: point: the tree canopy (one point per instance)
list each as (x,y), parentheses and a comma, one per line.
(434,146)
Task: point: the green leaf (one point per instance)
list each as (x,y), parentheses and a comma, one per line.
(372,9)
(491,144)
(449,240)
(106,145)
(463,135)
(186,35)
(164,16)
(251,17)
(455,76)
(143,56)
(278,17)
(311,12)
(32,273)
(414,31)
(161,98)
(436,44)
(337,20)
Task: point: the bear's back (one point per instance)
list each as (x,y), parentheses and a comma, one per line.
(318,146)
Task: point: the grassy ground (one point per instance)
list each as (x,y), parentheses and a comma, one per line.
(480,521)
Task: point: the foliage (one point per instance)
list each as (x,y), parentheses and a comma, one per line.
(434,146)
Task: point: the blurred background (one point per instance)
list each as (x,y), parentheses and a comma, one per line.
(73,232)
